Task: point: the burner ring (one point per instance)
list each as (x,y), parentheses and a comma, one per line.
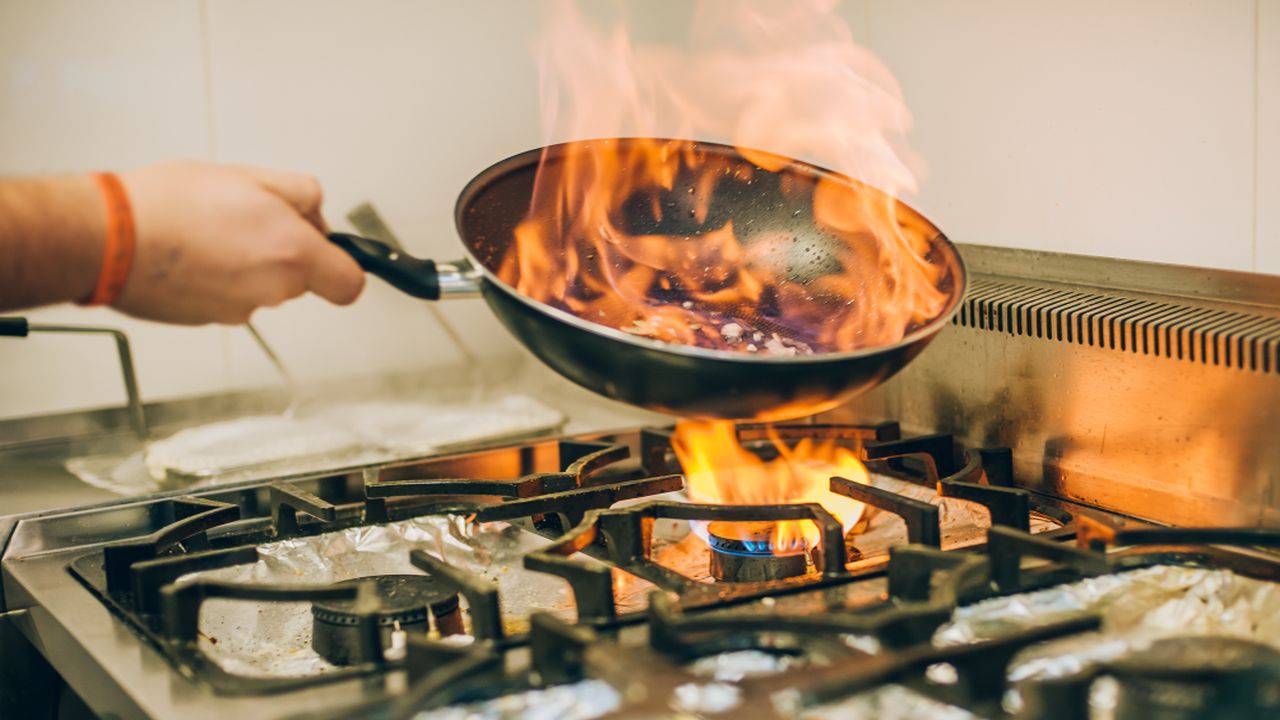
(751,559)
(745,548)
(405,603)
(402,598)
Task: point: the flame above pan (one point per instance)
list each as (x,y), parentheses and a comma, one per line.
(687,243)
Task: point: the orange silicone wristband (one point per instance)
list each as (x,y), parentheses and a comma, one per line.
(117,256)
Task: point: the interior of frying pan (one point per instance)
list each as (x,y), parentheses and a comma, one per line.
(807,274)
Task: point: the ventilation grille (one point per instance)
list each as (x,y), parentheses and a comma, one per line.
(1206,335)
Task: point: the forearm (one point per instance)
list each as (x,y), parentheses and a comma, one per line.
(51,240)
(211,243)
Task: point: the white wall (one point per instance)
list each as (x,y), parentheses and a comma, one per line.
(1108,127)
(1267,189)
(1146,129)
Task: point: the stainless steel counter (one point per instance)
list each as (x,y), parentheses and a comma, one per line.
(33,484)
(33,476)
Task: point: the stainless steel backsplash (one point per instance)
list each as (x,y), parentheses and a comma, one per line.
(1152,390)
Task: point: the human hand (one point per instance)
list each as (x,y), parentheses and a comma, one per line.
(216,242)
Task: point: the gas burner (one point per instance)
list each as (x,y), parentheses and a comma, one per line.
(403,605)
(750,559)
(1198,677)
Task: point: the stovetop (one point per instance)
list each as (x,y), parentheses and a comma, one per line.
(567,577)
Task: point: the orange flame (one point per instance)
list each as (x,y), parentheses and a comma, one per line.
(785,76)
(718,469)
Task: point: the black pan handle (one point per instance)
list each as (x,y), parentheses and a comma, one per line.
(14,327)
(405,272)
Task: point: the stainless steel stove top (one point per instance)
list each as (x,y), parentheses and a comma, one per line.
(582,587)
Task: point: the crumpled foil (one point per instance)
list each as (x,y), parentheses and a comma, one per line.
(1137,607)
(740,664)
(320,439)
(247,442)
(890,702)
(711,689)
(710,697)
(718,692)
(273,639)
(583,700)
(1156,601)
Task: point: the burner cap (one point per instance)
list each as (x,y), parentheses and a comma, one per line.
(404,604)
(745,538)
(402,599)
(739,546)
(750,558)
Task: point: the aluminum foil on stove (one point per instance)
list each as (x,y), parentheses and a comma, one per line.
(890,702)
(711,689)
(740,664)
(1137,608)
(273,639)
(715,689)
(585,700)
(1154,601)
(323,438)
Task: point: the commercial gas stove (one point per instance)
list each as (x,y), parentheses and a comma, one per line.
(573,577)
(564,573)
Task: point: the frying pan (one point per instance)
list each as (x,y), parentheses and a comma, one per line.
(682,380)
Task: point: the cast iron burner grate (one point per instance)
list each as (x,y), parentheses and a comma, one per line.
(405,603)
(600,512)
(1175,678)
(587,506)
(155,581)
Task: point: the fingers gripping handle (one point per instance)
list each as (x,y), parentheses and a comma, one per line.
(411,275)
(14,327)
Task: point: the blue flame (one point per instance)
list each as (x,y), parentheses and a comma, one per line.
(745,548)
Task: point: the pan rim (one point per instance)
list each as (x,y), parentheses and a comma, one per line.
(521,160)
